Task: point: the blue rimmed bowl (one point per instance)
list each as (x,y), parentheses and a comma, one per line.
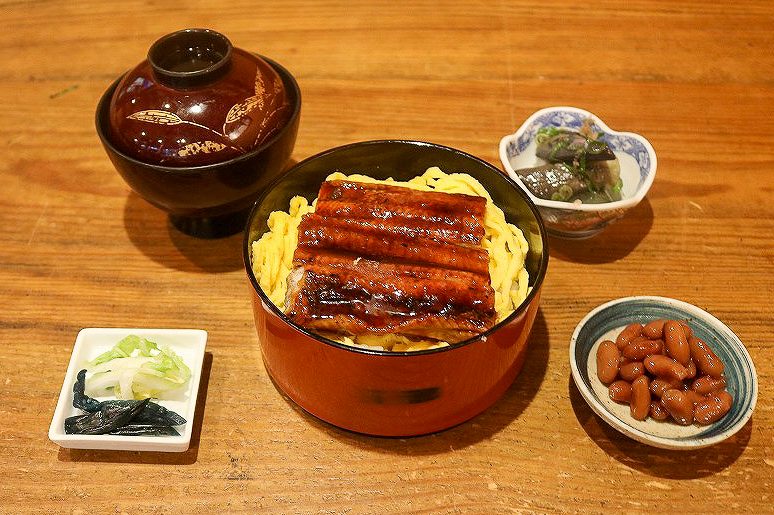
(607,320)
(575,220)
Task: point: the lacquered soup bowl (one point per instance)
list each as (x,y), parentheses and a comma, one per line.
(209,200)
(395,393)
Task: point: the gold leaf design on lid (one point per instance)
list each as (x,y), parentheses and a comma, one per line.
(200,147)
(259,86)
(156,116)
(243,107)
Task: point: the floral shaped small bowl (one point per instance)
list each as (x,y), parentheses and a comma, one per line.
(575,220)
(606,321)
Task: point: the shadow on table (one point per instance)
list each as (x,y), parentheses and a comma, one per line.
(151,232)
(612,244)
(157,458)
(663,463)
(663,188)
(508,408)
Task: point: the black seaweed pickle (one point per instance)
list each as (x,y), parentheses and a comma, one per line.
(151,419)
(80,399)
(109,418)
(133,429)
(159,416)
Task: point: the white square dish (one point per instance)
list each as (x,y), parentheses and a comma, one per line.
(189,344)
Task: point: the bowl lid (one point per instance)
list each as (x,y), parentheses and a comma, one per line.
(196,100)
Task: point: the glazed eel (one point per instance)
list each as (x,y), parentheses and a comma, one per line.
(378,259)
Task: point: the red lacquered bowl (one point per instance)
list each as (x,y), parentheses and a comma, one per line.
(196,93)
(395,393)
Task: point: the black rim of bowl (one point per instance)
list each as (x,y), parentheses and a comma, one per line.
(538,281)
(104,104)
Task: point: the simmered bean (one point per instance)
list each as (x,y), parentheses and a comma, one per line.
(705,359)
(679,406)
(665,367)
(640,348)
(686,328)
(639,406)
(658,386)
(631,370)
(676,343)
(694,397)
(654,329)
(620,391)
(706,385)
(658,411)
(713,408)
(654,369)
(691,369)
(607,361)
(629,333)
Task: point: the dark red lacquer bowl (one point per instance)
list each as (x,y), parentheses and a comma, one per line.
(395,393)
(200,128)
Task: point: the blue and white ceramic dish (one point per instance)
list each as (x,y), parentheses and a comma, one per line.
(576,220)
(607,320)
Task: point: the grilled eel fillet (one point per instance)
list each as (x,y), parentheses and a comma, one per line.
(380,259)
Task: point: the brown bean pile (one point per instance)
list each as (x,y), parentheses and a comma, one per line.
(661,370)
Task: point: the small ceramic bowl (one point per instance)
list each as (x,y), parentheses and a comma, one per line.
(189,344)
(575,220)
(395,393)
(199,152)
(607,320)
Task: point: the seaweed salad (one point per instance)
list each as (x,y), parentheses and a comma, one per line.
(580,167)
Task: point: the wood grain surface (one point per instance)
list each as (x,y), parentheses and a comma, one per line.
(79,249)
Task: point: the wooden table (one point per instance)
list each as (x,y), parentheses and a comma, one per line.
(79,249)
